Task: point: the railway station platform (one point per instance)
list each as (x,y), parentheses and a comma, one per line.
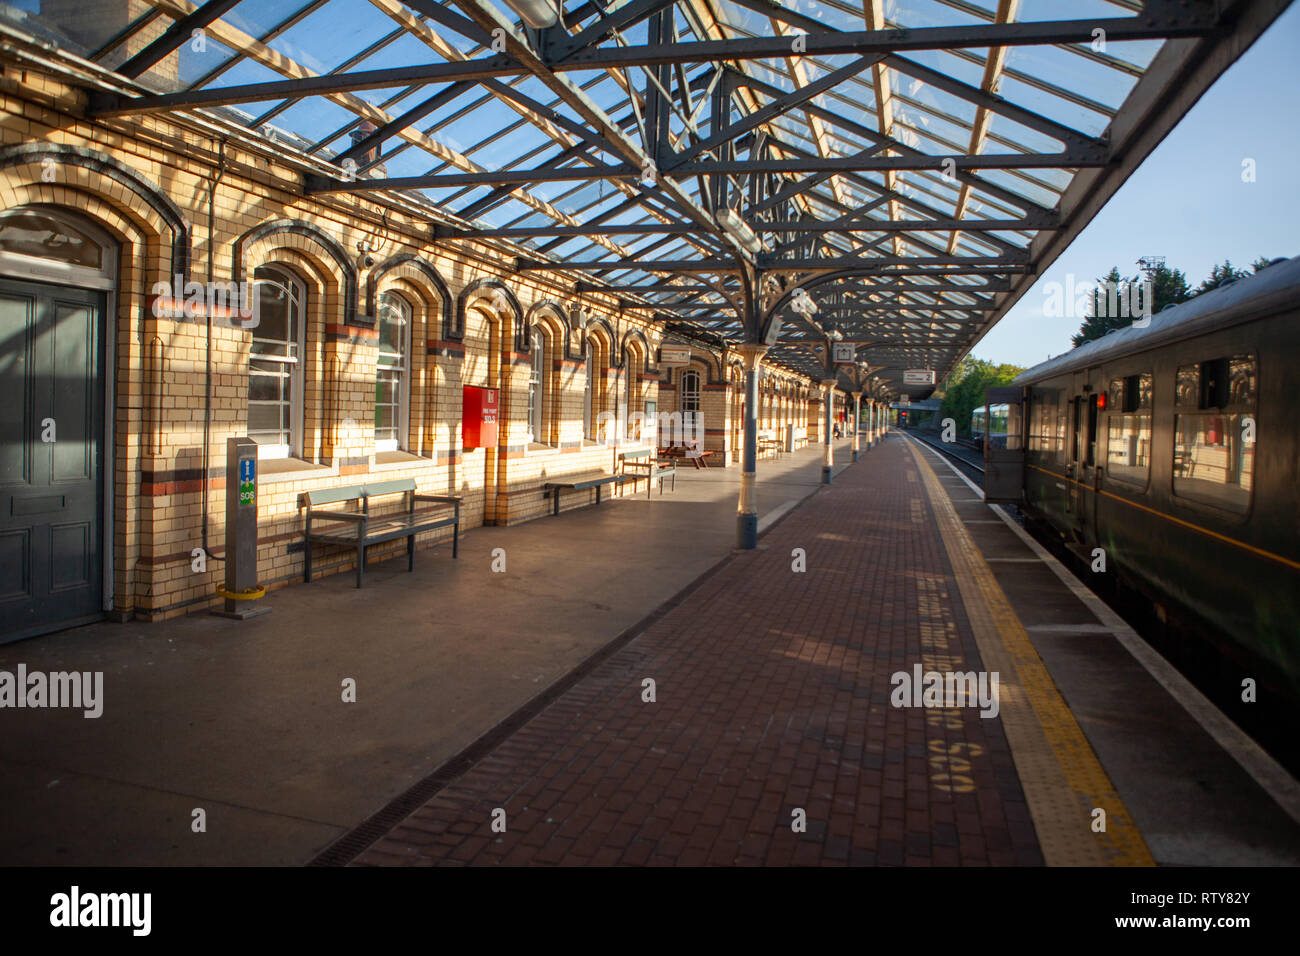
(245,719)
(788,723)
(775,734)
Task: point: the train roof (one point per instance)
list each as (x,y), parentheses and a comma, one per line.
(1269,289)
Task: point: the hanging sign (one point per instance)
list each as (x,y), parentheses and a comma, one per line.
(674,356)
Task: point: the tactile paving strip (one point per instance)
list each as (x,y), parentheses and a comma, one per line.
(1062,778)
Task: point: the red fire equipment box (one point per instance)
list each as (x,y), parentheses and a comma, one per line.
(479,413)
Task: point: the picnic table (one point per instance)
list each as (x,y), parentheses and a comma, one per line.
(691,451)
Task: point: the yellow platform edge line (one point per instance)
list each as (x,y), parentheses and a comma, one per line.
(1064,826)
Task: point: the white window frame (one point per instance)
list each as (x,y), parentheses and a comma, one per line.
(402,420)
(589,394)
(537,389)
(690,396)
(629,362)
(19,266)
(297,291)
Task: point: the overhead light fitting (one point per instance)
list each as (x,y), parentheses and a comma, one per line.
(739,230)
(538,14)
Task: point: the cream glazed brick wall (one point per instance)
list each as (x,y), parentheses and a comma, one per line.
(161,364)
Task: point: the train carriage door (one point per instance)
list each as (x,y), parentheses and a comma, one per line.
(1085,409)
(1004,460)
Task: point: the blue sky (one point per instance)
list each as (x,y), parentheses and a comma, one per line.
(1188,202)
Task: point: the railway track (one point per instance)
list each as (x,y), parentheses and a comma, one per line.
(968,459)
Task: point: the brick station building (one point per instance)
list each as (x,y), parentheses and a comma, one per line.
(368,332)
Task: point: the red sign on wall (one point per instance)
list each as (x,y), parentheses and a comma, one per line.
(479,414)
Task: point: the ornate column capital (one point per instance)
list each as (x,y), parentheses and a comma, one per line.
(751,353)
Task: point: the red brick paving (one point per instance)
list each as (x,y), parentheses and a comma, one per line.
(772,694)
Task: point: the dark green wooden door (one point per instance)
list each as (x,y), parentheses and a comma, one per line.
(51,457)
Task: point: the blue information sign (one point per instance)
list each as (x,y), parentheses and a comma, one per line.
(248,481)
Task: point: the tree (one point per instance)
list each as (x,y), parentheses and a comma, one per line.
(1117,301)
(1224,272)
(963,390)
(1227,271)
(1099,321)
(1169,287)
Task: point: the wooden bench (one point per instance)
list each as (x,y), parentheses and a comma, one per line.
(357,529)
(644,466)
(552,489)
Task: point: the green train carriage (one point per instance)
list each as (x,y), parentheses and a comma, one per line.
(1173,445)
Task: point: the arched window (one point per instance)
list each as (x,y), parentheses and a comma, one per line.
(275,364)
(589,395)
(690,401)
(392,373)
(635,413)
(48,245)
(537,388)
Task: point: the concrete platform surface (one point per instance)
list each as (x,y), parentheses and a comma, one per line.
(245,720)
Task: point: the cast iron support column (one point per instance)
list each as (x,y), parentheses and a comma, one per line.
(857,421)
(828,450)
(747,509)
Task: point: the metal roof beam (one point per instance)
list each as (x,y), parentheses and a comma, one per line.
(607,25)
(1085,157)
(625,265)
(784,225)
(1169,20)
(953,265)
(174,37)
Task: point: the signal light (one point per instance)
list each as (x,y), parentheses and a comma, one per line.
(1101,401)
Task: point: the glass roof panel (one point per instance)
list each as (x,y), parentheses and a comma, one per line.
(1075,86)
(405,50)
(317,42)
(259,17)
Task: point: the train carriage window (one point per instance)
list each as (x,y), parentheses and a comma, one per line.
(1012,427)
(1213,463)
(1188,385)
(1042,435)
(1040,412)
(1128,437)
(1062,415)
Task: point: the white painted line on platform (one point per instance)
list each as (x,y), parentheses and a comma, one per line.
(776,514)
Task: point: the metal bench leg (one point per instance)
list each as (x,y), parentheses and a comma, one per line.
(410,553)
(361,562)
(306,560)
(555,511)
(455,538)
(598,494)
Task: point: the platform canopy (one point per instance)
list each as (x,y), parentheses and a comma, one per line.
(911,165)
